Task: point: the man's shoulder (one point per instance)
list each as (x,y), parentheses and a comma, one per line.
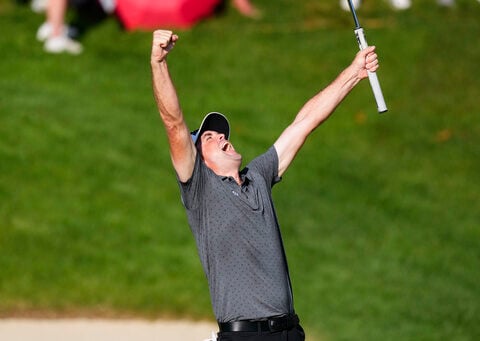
(270,155)
(265,165)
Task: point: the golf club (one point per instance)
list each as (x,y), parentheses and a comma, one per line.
(372,76)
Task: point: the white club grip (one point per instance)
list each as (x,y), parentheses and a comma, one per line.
(372,76)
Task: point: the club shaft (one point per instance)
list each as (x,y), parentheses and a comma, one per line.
(354,14)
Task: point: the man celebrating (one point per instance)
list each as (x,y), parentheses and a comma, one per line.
(230,209)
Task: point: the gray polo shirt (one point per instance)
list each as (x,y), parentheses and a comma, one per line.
(238,239)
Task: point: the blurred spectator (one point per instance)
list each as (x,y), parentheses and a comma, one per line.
(54,32)
(396,4)
(57,36)
(39,6)
(89,13)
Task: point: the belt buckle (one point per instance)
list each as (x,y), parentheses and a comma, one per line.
(279,323)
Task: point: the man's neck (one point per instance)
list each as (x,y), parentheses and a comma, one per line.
(232,173)
(238,179)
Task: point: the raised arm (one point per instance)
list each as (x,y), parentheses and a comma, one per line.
(321,106)
(182,149)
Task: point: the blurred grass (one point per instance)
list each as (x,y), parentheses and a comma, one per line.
(380,213)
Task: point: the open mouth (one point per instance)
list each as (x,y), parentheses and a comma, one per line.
(227,147)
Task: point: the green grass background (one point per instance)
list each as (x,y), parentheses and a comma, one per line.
(380,213)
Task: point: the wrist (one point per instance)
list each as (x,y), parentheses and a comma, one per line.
(349,78)
(156,62)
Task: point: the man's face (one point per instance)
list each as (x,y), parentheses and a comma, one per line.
(217,151)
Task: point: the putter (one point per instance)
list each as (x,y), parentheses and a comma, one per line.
(372,76)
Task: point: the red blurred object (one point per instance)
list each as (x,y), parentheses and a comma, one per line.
(154,14)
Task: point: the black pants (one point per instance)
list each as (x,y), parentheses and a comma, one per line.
(294,334)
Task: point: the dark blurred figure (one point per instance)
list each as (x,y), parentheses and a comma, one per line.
(89,13)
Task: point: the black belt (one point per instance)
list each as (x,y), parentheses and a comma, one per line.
(271,324)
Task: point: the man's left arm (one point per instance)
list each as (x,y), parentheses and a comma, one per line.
(321,106)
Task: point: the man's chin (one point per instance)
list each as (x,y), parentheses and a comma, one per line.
(233,155)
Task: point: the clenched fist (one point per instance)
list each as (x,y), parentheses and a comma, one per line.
(163,43)
(366,60)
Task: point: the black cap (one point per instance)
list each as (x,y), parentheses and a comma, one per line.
(212,121)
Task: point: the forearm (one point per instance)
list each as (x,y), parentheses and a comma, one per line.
(165,94)
(182,150)
(323,104)
(313,113)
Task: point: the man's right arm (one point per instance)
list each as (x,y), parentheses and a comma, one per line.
(182,148)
